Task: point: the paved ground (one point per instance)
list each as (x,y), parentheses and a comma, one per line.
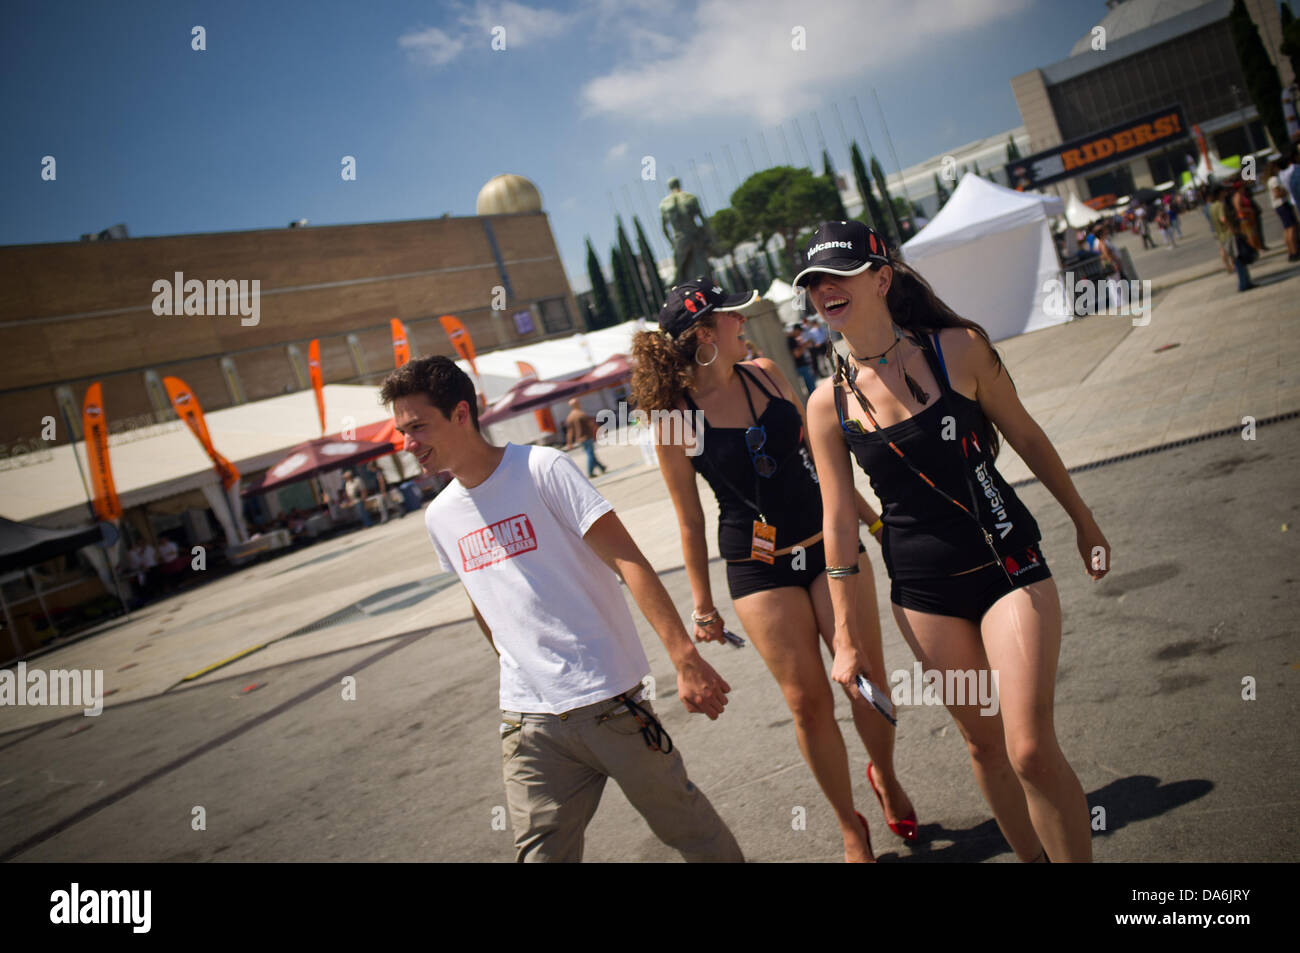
(1149,698)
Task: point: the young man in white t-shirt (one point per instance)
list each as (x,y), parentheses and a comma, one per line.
(538,549)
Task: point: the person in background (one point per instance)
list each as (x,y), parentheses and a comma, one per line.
(580,427)
(1165,226)
(1280,196)
(355,491)
(1247,216)
(1142,227)
(381,487)
(803,360)
(1236,242)
(1172,209)
(1218,212)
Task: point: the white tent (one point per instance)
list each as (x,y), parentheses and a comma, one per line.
(1214,167)
(988,254)
(1079,215)
(783,296)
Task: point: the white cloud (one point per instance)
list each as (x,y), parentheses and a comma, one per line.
(617,152)
(738,58)
(523,25)
(432,46)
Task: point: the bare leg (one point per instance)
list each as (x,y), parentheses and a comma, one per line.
(1022,638)
(943,643)
(781,624)
(876,733)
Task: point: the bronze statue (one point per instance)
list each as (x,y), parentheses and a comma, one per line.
(685,226)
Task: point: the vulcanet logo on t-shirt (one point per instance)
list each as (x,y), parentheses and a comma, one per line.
(504,539)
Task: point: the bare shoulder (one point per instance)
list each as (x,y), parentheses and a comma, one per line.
(965,348)
(821,402)
(769,367)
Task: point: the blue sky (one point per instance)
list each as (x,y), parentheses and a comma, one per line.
(250,133)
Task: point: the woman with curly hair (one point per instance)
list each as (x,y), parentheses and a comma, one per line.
(752,451)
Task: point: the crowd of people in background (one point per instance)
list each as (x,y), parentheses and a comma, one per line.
(810,346)
(1230,208)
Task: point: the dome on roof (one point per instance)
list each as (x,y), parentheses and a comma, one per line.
(1130,16)
(506,194)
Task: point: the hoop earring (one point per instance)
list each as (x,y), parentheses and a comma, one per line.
(710,360)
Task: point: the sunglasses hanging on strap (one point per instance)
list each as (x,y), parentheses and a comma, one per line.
(847,380)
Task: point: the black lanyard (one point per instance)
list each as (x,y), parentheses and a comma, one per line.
(758,486)
(848,381)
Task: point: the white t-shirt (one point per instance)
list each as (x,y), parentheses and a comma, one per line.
(1275,182)
(556,611)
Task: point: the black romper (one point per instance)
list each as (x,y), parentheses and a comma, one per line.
(790,499)
(929,545)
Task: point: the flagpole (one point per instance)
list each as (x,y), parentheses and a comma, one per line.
(93,515)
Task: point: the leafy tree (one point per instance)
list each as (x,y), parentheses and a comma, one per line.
(655,283)
(603,308)
(728,229)
(1012,152)
(872,213)
(1262,81)
(781,201)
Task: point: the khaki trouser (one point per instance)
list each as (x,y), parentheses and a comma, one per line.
(555,768)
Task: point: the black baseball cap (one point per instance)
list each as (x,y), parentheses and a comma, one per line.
(844,248)
(692,300)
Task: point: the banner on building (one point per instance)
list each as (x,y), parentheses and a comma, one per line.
(1091,153)
(94,428)
(317,381)
(188,409)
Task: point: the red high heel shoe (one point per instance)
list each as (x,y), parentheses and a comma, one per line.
(866,830)
(905,828)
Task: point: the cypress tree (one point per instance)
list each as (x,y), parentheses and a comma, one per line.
(622,288)
(893,231)
(658,293)
(871,211)
(634,279)
(1262,82)
(828,171)
(1012,152)
(603,307)
(940,191)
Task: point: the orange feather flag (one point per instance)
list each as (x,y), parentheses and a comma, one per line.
(317,381)
(94,425)
(188,409)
